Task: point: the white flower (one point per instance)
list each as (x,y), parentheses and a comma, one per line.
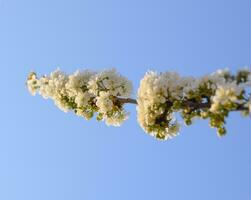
(110,81)
(54,87)
(248,105)
(225,94)
(103,102)
(83,98)
(221,72)
(111,114)
(173,130)
(32,83)
(117,119)
(78,82)
(154,91)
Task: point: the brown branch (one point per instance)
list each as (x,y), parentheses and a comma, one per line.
(190,104)
(200,105)
(126,100)
(242,108)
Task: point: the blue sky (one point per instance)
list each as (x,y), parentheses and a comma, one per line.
(47,154)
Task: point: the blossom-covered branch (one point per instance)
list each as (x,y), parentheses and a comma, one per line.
(160,97)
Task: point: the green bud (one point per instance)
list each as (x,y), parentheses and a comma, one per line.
(188,121)
(204,115)
(99,117)
(221,131)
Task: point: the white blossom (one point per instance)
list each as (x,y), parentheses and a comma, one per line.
(53,87)
(117,119)
(83,98)
(76,87)
(110,81)
(248,105)
(32,83)
(110,113)
(225,94)
(78,82)
(104,102)
(154,91)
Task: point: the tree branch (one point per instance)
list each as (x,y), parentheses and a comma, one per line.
(190,104)
(126,100)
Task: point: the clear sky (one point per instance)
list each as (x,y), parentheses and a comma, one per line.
(46,154)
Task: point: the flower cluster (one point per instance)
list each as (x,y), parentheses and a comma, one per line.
(162,95)
(154,113)
(85,93)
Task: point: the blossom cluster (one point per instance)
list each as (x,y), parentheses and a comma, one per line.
(162,95)
(85,92)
